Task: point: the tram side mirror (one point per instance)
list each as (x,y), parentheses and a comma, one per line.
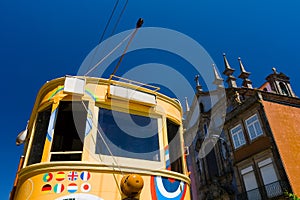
(22,136)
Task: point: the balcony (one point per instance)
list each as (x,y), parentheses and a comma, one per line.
(272,191)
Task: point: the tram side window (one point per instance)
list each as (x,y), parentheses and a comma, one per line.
(175,152)
(39,137)
(69,131)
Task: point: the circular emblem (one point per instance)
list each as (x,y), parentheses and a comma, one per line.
(72,188)
(60,176)
(85,176)
(167,189)
(59,188)
(47,177)
(46,188)
(85,187)
(72,176)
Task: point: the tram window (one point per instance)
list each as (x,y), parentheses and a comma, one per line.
(69,130)
(127,135)
(39,137)
(66,157)
(175,152)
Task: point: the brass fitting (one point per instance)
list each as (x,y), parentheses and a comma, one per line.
(131,186)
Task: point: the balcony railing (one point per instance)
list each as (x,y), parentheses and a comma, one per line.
(271,191)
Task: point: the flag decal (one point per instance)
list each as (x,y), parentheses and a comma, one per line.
(60,176)
(59,188)
(72,188)
(47,177)
(72,176)
(85,187)
(85,176)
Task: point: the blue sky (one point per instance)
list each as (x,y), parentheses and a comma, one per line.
(42,40)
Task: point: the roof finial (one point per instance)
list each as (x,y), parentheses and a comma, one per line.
(274,70)
(218,80)
(187,104)
(198,86)
(242,67)
(231,80)
(197,80)
(227,66)
(244,75)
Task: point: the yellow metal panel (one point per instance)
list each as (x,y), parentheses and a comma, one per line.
(57,182)
(170,110)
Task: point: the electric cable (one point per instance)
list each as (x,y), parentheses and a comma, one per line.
(104,31)
(119,18)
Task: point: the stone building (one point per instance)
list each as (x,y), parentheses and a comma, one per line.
(245,142)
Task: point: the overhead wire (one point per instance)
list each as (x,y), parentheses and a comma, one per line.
(96,65)
(108,22)
(109,151)
(103,140)
(119,18)
(131,35)
(104,31)
(102,36)
(113,50)
(139,24)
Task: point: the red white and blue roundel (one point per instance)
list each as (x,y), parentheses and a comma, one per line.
(167,189)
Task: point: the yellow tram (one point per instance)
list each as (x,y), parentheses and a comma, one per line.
(103,139)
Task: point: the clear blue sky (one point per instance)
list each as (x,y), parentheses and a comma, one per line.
(42,40)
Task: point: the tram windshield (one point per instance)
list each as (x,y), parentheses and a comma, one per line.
(127,135)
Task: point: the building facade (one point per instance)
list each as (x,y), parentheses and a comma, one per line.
(253,153)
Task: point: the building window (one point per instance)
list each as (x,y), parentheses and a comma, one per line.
(270,179)
(205,130)
(211,161)
(127,135)
(201,108)
(69,131)
(250,183)
(283,88)
(253,127)
(237,136)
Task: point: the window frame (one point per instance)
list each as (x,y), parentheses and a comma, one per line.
(248,173)
(283,89)
(253,124)
(176,165)
(54,153)
(33,136)
(126,161)
(238,134)
(262,165)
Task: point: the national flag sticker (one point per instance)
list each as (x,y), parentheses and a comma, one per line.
(85,187)
(47,177)
(46,188)
(73,176)
(59,188)
(85,176)
(72,188)
(60,176)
